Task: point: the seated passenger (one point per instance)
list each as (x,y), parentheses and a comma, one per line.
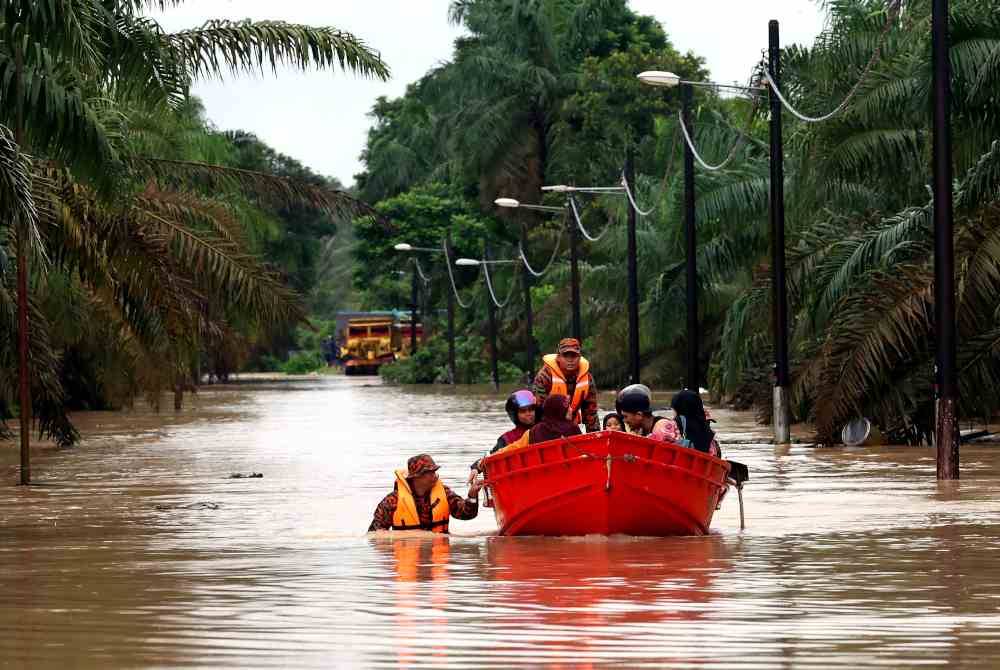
(613,421)
(693,420)
(553,425)
(420,501)
(522,408)
(635,403)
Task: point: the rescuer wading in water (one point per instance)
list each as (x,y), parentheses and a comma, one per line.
(421,502)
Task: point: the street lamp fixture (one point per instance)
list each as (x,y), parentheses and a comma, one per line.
(403,247)
(671,80)
(474,262)
(512,203)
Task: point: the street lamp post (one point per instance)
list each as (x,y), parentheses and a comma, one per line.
(451,317)
(574,274)
(633,275)
(492,313)
(414,288)
(472,262)
(946,438)
(529,317)
(403,246)
(782,378)
(574,257)
(691,246)
(668,79)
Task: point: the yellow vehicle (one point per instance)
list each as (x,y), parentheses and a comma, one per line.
(367,345)
(370,340)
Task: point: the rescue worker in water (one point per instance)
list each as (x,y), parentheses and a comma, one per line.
(421,502)
(567,373)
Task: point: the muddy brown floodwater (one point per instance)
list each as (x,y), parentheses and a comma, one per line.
(136,549)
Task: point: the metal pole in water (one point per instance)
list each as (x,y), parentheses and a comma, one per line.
(529,317)
(451,319)
(946,428)
(413,310)
(691,247)
(574,273)
(633,275)
(782,380)
(494,365)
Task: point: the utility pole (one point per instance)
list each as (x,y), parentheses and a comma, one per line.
(633,274)
(529,317)
(779,291)
(451,316)
(691,246)
(492,314)
(946,428)
(574,273)
(413,309)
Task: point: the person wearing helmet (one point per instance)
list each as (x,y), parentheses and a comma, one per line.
(522,408)
(635,404)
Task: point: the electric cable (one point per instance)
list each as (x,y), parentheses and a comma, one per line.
(579,223)
(451,276)
(552,259)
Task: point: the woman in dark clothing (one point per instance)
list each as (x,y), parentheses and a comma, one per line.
(693,423)
(553,425)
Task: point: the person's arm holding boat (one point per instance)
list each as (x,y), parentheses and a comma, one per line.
(421,501)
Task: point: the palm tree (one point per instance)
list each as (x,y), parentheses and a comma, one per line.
(77,71)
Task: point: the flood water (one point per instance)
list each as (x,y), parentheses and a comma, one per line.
(137,549)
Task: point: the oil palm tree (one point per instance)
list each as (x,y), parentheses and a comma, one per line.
(137,226)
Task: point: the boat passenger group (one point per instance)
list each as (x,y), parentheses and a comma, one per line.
(563,397)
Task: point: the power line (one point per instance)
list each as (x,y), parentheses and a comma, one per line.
(552,259)
(489,285)
(893,14)
(579,223)
(451,276)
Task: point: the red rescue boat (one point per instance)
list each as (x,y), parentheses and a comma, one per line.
(605,483)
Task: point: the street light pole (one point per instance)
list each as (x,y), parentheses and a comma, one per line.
(529,317)
(633,275)
(451,317)
(946,428)
(779,292)
(413,310)
(574,274)
(691,246)
(492,313)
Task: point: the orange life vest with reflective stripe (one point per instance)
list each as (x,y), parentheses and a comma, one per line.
(560,386)
(406,518)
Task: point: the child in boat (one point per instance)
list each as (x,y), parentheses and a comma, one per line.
(522,408)
(613,421)
(553,425)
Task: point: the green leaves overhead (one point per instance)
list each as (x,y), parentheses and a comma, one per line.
(245,47)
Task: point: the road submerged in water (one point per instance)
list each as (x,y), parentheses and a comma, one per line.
(137,548)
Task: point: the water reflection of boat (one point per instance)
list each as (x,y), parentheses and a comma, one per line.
(605,483)
(602,581)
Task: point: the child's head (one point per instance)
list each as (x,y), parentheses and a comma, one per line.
(613,422)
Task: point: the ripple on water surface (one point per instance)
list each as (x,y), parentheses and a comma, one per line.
(137,549)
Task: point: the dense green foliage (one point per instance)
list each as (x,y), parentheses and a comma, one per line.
(430,364)
(529,99)
(144,230)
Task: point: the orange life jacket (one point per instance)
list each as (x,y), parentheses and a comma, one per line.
(406,518)
(560,386)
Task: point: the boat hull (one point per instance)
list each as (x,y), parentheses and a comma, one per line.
(605,483)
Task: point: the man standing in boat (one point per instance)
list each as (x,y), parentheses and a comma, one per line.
(567,373)
(421,502)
